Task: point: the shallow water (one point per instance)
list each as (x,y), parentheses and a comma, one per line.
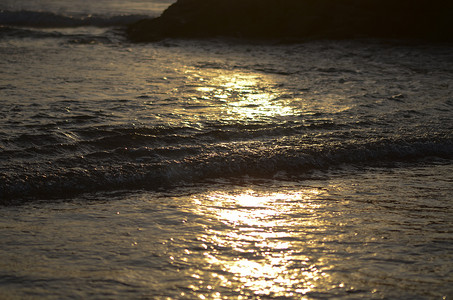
(219,168)
(380,233)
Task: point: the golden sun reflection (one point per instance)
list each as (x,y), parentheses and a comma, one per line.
(246,96)
(261,243)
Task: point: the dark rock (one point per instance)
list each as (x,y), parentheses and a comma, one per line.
(271,19)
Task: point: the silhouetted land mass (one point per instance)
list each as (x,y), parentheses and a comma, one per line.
(300,19)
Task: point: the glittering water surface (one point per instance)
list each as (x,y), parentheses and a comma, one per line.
(353,236)
(146,116)
(219,168)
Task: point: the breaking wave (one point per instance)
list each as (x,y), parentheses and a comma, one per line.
(107,166)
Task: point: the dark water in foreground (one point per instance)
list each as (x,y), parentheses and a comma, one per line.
(221,169)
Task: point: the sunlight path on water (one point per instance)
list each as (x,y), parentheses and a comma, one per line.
(264,241)
(349,237)
(249,100)
(238,96)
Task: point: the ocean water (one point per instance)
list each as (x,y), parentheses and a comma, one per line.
(219,168)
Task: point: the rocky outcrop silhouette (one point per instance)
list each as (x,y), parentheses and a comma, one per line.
(300,19)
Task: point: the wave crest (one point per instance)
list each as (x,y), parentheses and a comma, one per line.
(162,170)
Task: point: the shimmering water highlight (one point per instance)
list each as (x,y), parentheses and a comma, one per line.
(217,168)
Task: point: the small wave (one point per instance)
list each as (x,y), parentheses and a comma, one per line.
(38,19)
(14,32)
(156,168)
(7,32)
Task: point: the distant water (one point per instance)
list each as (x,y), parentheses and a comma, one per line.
(219,168)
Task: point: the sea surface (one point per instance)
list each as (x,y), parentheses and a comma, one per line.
(219,168)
